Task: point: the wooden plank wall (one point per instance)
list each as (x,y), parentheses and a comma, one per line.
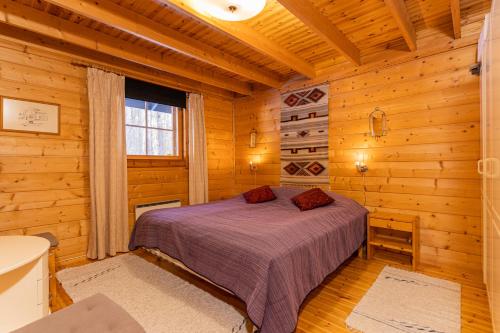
(157,180)
(44,178)
(44,183)
(220,147)
(426,165)
(261,112)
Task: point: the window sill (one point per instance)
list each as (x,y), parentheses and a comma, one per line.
(155,161)
(148,157)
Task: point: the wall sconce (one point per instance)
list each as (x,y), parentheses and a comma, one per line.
(253,138)
(253,166)
(361,165)
(254,162)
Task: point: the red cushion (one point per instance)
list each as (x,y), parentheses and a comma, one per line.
(259,194)
(311,199)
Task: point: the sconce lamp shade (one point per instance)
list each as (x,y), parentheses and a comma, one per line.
(253,166)
(360,164)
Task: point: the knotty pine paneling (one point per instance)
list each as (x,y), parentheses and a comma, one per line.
(220,146)
(426,165)
(44,179)
(159,180)
(155,180)
(44,185)
(260,111)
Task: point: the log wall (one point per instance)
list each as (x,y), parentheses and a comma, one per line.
(44,179)
(426,165)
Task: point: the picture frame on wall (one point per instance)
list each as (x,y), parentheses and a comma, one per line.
(22,115)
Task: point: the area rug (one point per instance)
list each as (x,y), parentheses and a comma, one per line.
(304,137)
(402,301)
(157,299)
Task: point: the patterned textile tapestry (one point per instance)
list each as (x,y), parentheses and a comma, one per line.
(304,137)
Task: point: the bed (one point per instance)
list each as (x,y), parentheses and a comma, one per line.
(270,255)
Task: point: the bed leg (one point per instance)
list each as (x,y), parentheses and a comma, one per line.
(361,251)
(250,327)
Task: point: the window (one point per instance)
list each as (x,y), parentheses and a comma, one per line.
(154,120)
(153,129)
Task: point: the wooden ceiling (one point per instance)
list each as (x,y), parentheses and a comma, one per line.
(289,39)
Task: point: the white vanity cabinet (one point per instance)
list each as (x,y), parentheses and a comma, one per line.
(24,281)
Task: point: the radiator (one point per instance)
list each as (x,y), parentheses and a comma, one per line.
(142,208)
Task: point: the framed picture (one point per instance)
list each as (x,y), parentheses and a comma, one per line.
(20,115)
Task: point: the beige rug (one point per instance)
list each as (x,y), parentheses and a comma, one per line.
(157,299)
(402,301)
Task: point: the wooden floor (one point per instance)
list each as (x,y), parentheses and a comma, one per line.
(326,308)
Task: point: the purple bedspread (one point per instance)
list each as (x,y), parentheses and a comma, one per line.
(270,255)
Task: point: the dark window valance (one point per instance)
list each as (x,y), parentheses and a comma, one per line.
(154,93)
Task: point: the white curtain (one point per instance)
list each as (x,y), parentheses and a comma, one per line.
(197,151)
(109,232)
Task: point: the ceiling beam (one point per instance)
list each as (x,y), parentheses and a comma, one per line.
(455,16)
(77,55)
(28,18)
(126,20)
(400,14)
(245,34)
(323,27)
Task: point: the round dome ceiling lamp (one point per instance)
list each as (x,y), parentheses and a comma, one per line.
(229,10)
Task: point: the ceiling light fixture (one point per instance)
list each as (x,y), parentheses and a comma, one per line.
(229,10)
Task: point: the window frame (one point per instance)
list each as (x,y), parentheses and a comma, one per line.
(178,128)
